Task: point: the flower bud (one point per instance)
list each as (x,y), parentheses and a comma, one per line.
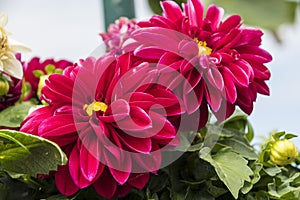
(42,83)
(4,87)
(283,152)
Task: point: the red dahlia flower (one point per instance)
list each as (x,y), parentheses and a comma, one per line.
(118,33)
(35,68)
(104,115)
(222,62)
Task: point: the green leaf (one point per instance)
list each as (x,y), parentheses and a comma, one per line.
(28,154)
(272,171)
(256,168)
(231,168)
(250,132)
(240,148)
(14,115)
(290,136)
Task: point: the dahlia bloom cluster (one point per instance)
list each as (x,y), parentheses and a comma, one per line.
(115,116)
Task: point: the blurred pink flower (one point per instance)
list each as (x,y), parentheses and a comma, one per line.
(118,33)
(222,62)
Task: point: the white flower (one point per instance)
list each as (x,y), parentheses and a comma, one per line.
(8,48)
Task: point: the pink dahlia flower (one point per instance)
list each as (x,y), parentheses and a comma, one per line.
(118,33)
(111,120)
(222,61)
(35,65)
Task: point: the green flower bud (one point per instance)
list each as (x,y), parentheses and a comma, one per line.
(283,152)
(4,87)
(42,83)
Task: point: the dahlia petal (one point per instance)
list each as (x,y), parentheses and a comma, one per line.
(138,143)
(58,125)
(64,181)
(255,50)
(195,12)
(89,158)
(36,118)
(250,36)
(247,68)
(193,98)
(124,63)
(75,171)
(225,111)
(122,190)
(163,97)
(231,93)
(152,37)
(55,93)
(187,48)
(214,15)
(106,185)
(213,97)
(240,76)
(120,176)
(167,130)
(138,120)
(169,58)
(234,21)
(262,87)
(230,40)
(253,57)
(139,180)
(118,159)
(149,52)
(116,111)
(162,22)
(214,77)
(171,10)
(245,100)
(261,71)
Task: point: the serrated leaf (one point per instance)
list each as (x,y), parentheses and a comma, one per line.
(256,168)
(232,169)
(272,171)
(14,115)
(240,148)
(28,154)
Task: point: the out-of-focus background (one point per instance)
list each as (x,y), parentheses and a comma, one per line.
(70,29)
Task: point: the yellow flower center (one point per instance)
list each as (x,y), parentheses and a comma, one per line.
(203,49)
(95,106)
